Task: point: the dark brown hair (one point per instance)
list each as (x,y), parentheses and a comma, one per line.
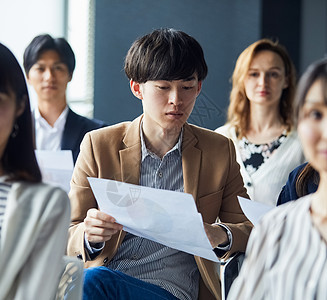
(18,159)
(316,71)
(308,174)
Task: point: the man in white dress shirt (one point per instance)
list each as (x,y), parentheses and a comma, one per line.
(49,65)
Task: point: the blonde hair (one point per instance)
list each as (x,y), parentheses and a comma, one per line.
(239,107)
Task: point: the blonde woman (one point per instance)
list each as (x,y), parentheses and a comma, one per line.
(259,119)
(286,257)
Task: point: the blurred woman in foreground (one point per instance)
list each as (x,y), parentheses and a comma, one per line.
(34,217)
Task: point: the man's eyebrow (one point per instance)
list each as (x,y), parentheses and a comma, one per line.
(43,62)
(189,78)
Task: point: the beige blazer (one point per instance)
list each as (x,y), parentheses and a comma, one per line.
(211,174)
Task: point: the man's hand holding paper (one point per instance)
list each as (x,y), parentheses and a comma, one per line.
(99,226)
(158,215)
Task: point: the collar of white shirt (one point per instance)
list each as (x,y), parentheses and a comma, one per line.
(48,137)
(59,124)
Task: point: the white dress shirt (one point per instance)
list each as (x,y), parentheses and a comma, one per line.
(48,137)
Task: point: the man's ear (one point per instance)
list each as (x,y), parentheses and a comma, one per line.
(199,87)
(136,89)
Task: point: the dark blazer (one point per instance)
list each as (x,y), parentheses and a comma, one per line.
(288,192)
(75,128)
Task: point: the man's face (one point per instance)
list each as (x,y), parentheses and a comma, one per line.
(49,76)
(167,104)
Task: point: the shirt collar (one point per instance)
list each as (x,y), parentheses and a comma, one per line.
(60,122)
(145,151)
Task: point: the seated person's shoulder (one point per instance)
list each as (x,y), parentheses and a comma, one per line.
(288,192)
(88,123)
(293,176)
(42,193)
(224,129)
(214,146)
(208,136)
(98,123)
(284,213)
(295,173)
(113,132)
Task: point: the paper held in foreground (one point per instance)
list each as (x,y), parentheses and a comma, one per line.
(167,217)
(56,167)
(253,210)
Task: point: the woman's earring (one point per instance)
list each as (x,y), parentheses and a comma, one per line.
(15,131)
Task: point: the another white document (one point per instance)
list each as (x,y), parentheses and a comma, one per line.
(56,167)
(167,217)
(254,210)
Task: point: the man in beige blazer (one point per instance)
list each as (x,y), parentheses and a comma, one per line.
(158,149)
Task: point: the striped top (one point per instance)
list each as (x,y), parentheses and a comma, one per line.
(4,190)
(286,257)
(173,270)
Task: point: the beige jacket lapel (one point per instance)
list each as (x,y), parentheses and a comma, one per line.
(191,160)
(130,157)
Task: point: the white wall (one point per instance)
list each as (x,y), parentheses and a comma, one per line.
(22,20)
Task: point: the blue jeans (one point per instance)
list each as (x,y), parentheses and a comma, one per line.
(104,283)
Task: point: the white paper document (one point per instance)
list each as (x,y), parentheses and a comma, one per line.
(56,167)
(254,210)
(167,217)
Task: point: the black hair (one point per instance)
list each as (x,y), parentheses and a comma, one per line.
(165,54)
(45,42)
(18,160)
